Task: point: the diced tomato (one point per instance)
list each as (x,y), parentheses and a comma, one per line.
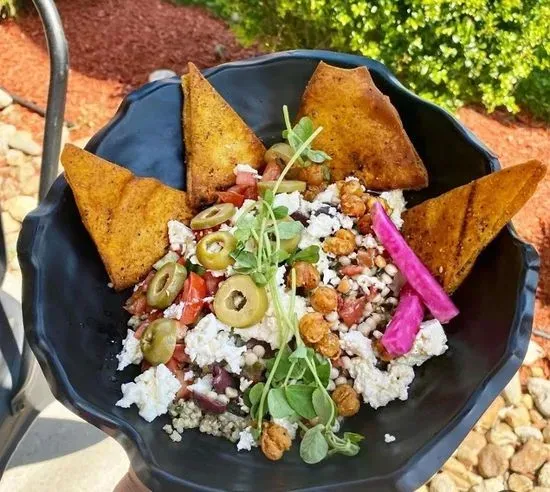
(203,232)
(182,260)
(212,283)
(351,310)
(137,305)
(179,354)
(246,179)
(251,192)
(194,292)
(231,197)
(351,270)
(176,368)
(271,172)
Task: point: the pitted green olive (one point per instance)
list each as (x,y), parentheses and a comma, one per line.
(280,152)
(287,186)
(158,341)
(289,245)
(166,285)
(239,302)
(213,250)
(213,216)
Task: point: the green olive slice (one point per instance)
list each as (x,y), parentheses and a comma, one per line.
(289,245)
(166,285)
(239,302)
(287,186)
(213,216)
(280,152)
(213,250)
(158,341)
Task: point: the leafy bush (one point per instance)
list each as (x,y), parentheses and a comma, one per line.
(9,8)
(450,51)
(533,93)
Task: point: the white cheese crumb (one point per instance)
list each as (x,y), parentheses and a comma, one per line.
(188,376)
(322,225)
(430,341)
(210,341)
(246,440)
(181,238)
(245,206)
(244,383)
(245,168)
(355,343)
(130,353)
(151,391)
(291,427)
(175,436)
(202,385)
(397,203)
(289,200)
(389,438)
(169,257)
(174,311)
(329,195)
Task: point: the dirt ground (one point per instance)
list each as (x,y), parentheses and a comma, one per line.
(115,44)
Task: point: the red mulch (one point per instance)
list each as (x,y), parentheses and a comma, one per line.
(114,44)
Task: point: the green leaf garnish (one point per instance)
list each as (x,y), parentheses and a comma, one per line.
(314,446)
(309,255)
(280,212)
(323,405)
(277,404)
(288,230)
(299,398)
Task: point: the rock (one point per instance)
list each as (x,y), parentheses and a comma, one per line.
(527,401)
(19,206)
(5,99)
(534,353)
(442,483)
(462,477)
(526,432)
(30,186)
(541,489)
(6,131)
(489,485)
(529,458)
(502,434)
(21,140)
(537,372)
(519,483)
(469,449)
(82,142)
(517,417)
(543,478)
(537,419)
(15,157)
(540,391)
(545,431)
(492,461)
(424,488)
(508,450)
(9,224)
(490,416)
(512,392)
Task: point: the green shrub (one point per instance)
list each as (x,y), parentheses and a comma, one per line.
(10,8)
(533,94)
(450,51)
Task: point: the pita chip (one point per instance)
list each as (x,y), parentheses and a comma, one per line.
(362,131)
(216,139)
(125,215)
(449,232)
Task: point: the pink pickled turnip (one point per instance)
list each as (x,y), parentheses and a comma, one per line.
(418,276)
(401,331)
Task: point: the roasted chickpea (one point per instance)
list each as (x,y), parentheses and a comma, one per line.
(352,205)
(344,286)
(364,224)
(275,441)
(312,175)
(329,346)
(313,327)
(346,399)
(312,191)
(341,244)
(351,187)
(324,299)
(369,201)
(366,257)
(307,276)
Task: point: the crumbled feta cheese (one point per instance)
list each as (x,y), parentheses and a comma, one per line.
(210,341)
(380,387)
(322,225)
(291,427)
(245,168)
(280,275)
(289,200)
(368,241)
(130,353)
(389,438)
(174,311)
(345,221)
(247,204)
(188,376)
(134,321)
(244,383)
(169,257)
(430,341)
(308,240)
(202,385)
(151,391)
(181,238)
(355,343)
(329,195)
(246,440)
(396,201)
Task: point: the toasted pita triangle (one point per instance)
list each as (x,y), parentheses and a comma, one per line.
(362,131)
(126,216)
(449,232)
(216,139)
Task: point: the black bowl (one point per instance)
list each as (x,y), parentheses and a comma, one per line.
(75,322)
